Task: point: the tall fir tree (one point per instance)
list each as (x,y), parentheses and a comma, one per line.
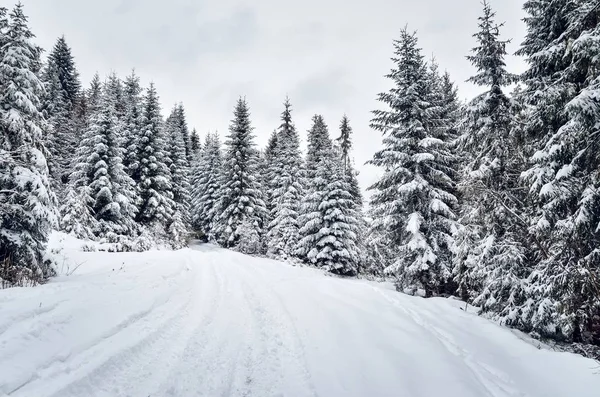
(491,250)
(63,94)
(156,206)
(413,204)
(175,131)
(132,126)
(60,139)
(100,179)
(242,208)
(113,86)
(206,187)
(328,219)
(63,61)
(319,143)
(286,189)
(195,146)
(268,168)
(27,212)
(365,264)
(345,143)
(450,107)
(562,85)
(94,93)
(182,126)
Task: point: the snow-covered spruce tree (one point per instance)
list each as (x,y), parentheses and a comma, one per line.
(101,180)
(62,60)
(181,123)
(132,126)
(27,212)
(491,244)
(175,129)
(63,92)
(319,146)
(450,108)
(195,146)
(76,215)
(445,107)
(113,87)
(268,173)
(75,212)
(94,94)
(240,195)
(59,116)
(319,143)
(156,206)
(413,203)
(287,190)
(329,221)
(345,143)
(206,187)
(562,87)
(365,264)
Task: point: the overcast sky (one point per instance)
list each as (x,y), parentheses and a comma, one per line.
(329,56)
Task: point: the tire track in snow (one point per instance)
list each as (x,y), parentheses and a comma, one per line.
(207,300)
(207,346)
(78,359)
(281,357)
(139,360)
(43,317)
(29,316)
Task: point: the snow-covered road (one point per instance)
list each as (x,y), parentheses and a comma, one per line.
(209,322)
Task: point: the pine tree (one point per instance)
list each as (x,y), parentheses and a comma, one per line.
(491,255)
(328,222)
(194,146)
(156,207)
(27,212)
(206,187)
(413,203)
(62,97)
(62,60)
(114,88)
(182,126)
(450,108)
(282,235)
(345,143)
(268,173)
(319,144)
(59,141)
(175,131)
(100,179)
(132,126)
(93,94)
(562,85)
(240,195)
(76,214)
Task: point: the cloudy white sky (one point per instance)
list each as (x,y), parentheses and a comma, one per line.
(329,56)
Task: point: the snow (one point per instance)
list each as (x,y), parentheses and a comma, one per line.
(210,322)
(566,171)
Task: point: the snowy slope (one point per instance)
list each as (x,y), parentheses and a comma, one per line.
(209,322)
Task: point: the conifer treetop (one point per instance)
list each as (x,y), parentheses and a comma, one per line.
(488,56)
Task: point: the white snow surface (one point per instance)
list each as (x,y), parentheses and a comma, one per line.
(209,322)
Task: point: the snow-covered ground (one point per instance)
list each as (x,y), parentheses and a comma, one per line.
(209,322)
